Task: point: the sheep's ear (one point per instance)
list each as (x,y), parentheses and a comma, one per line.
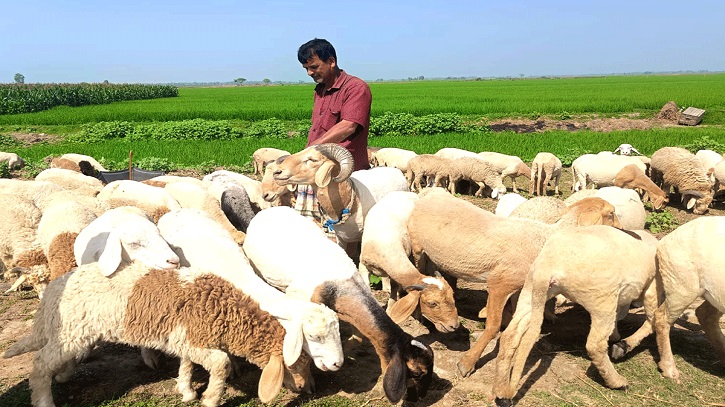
(110,258)
(395,378)
(270,383)
(494,193)
(324,173)
(404,307)
(691,202)
(293,339)
(292,187)
(589,218)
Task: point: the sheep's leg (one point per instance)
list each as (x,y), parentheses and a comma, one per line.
(479,191)
(46,362)
(709,318)
(545,184)
(556,185)
(603,322)
(664,317)
(183,382)
(66,371)
(218,365)
(518,339)
(496,302)
(150,357)
(650,305)
(513,184)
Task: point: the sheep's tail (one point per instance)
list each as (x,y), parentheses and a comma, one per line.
(27,344)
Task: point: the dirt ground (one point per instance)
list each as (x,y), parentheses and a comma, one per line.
(557,362)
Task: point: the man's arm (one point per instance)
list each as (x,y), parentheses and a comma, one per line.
(337,133)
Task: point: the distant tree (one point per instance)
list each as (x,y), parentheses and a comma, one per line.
(266,81)
(240,80)
(106,82)
(19,78)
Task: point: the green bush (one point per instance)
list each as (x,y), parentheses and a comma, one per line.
(273,128)
(658,222)
(9,143)
(704,143)
(96,132)
(4,170)
(438,123)
(155,164)
(392,124)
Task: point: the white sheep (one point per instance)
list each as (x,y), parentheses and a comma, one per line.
(394,157)
(385,252)
(545,167)
(77,158)
(265,155)
(679,168)
(204,245)
(36,191)
(278,237)
(191,195)
(719,175)
(477,171)
(346,198)
(625,149)
(600,169)
(70,179)
(153,200)
(689,263)
(453,153)
(84,307)
(507,203)
(709,160)
(509,166)
(627,206)
(603,284)
(13,160)
(219,181)
(545,209)
(19,219)
(166,179)
(427,170)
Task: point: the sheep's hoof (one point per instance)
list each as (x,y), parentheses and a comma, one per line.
(619,349)
(464,370)
(503,402)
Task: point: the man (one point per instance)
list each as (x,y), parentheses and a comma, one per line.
(340,114)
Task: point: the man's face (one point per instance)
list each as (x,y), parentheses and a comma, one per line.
(321,71)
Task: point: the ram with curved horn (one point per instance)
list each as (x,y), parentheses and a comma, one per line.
(344,196)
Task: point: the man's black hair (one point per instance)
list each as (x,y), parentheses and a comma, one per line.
(318,46)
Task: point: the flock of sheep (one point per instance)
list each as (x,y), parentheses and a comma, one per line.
(223,267)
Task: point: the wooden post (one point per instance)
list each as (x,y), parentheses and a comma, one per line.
(130,164)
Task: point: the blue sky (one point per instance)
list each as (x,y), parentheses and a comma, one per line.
(216,40)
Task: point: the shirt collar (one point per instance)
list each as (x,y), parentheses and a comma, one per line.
(337,85)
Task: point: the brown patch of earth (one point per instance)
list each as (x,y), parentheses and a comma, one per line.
(631,122)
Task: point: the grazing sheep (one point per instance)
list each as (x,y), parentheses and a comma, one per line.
(633,177)
(204,245)
(78,158)
(545,209)
(709,160)
(507,203)
(155,201)
(627,206)
(603,284)
(13,160)
(600,169)
(490,257)
(544,168)
(424,168)
(478,171)
(679,168)
(265,155)
(507,165)
(453,153)
(188,311)
(219,181)
(386,253)
(625,149)
(19,219)
(719,175)
(69,179)
(191,195)
(346,198)
(278,237)
(689,261)
(394,157)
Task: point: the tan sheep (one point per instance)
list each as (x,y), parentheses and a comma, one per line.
(265,155)
(632,177)
(508,166)
(545,167)
(490,256)
(603,284)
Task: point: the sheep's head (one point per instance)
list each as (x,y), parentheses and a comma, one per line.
(591,211)
(410,372)
(435,298)
(298,377)
(321,329)
(697,201)
(273,191)
(315,165)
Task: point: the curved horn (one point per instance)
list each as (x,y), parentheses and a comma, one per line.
(341,155)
